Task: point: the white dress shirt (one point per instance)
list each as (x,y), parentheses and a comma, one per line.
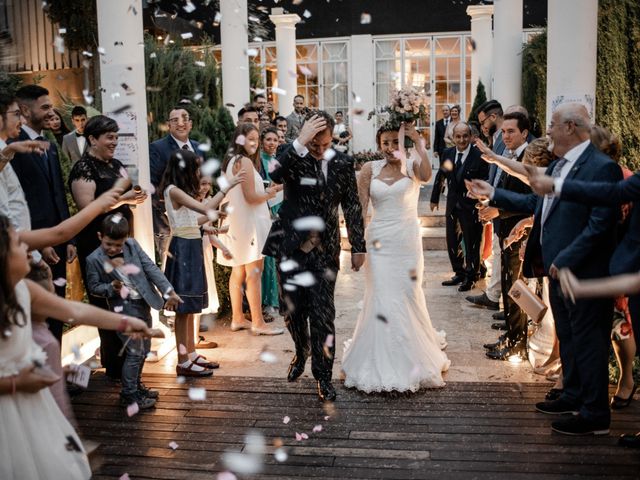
(81,141)
(465,154)
(181,143)
(12,201)
(571,156)
(302,151)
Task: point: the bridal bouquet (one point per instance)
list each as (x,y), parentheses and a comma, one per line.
(406,105)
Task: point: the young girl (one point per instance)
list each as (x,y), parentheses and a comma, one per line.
(185,261)
(36,441)
(249,223)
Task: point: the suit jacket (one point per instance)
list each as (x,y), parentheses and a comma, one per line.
(574,235)
(41,180)
(70,147)
(159,153)
(150,282)
(303,199)
(438,137)
(473,167)
(294,124)
(498,147)
(508,219)
(626,258)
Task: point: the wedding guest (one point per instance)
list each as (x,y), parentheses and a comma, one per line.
(270,296)
(132,286)
(441,127)
(295,118)
(249,221)
(74,144)
(281,124)
(42,182)
(95,173)
(180,125)
(28,413)
(259,102)
(57,126)
(281,138)
(341,133)
(265,121)
(184,267)
(249,115)
(454,120)
(576,236)
(464,163)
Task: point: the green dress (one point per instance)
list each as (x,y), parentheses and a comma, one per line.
(270,295)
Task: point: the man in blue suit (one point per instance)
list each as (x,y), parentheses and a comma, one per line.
(180,125)
(579,237)
(41,180)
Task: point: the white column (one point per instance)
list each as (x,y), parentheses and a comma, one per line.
(572,53)
(122,79)
(362,84)
(286,57)
(235,62)
(507,51)
(482,56)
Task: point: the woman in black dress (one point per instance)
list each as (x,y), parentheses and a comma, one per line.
(93,174)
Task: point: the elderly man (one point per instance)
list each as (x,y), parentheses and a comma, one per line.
(579,237)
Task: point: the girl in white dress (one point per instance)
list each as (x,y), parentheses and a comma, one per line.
(394,345)
(36,440)
(249,222)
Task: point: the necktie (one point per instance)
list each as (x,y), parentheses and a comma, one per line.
(185,147)
(555,173)
(79,134)
(459,161)
(45,157)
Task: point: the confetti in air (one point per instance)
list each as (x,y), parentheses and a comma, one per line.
(252,52)
(306,181)
(60,282)
(223,183)
(267,357)
(129,269)
(226,476)
(189,7)
(317,429)
(288,265)
(280,454)
(133,409)
(278,91)
(182,350)
(309,223)
(365,18)
(197,394)
(186,35)
(305,71)
(303,279)
(286,420)
(377,244)
(306,14)
(241,140)
(173,445)
(328,154)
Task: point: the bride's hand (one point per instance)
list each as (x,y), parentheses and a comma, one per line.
(357,260)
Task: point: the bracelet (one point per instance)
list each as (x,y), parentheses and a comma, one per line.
(124,323)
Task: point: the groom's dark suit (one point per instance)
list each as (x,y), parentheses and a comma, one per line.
(308,194)
(580,237)
(461,214)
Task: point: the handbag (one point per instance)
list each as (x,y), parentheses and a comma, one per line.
(528,301)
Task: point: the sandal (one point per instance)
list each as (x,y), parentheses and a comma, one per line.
(190,372)
(203,343)
(203,362)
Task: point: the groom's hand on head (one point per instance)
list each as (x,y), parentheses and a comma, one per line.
(357,260)
(310,129)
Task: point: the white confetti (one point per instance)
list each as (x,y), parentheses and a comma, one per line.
(200,63)
(329,340)
(124,292)
(58,43)
(197,394)
(317,429)
(125,476)
(278,91)
(133,409)
(305,71)
(288,265)
(182,350)
(209,167)
(223,183)
(286,420)
(60,282)
(189,7)
(180,379)
(309,223)
(280,454)
(108,267)
(186,35)
(217,17)
(198,96)
(62,31)
(365,18)
(118,309)
(226,476)
(101,50)
(173,445)
(306,14)
(129,269)
(76,351)
(328,154)
(153,55)
(257,39)
(308,181)
(241,140)
(268,357)
(252,52)
(303,279)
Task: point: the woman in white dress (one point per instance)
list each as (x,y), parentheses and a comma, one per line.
(394,345)
(249,221)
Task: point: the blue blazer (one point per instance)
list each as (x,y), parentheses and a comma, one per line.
(41,180)
(150,282)
(159,153)
(575,235)
(626,258)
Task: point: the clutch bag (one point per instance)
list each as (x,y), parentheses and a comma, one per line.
(528,301)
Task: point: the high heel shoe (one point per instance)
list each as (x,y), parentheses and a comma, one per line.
(618,402)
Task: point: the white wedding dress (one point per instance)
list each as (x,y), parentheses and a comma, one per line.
(394,345)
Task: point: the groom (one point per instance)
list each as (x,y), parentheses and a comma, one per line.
(306,242)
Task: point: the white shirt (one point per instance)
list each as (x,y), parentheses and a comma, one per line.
(12,201)
(181,144)
(571,156)
(302,151)
(465,154)
(520,149)
(81,141)
(31,132)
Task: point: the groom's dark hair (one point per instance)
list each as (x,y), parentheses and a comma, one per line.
(326,116)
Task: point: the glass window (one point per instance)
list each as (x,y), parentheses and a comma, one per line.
(335,77)
(388,69)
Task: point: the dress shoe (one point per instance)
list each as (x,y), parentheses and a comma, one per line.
(483,301)
(618,403)
(455,280)
(147,392)
(506,352)
(296,368)
(466,286)
(553,394)
(630,440)
(326,392)
(499,316)
(579,425)
(144,403)
(492,346)
(499,326)
(557,407)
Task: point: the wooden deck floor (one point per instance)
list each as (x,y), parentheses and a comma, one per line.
(465,431)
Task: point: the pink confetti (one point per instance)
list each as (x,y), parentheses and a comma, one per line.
(182,349)
(60,282)
(226,476)
(133,409)
(327,417)
(298,437)
(124,173)
(317,429)
(305,71)
(304,436)
(273,164)
(124,292)
(241,140)
(130,269)
(329,341)
(286,420)
(125,476)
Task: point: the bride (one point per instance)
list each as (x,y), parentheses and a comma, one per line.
(394,346)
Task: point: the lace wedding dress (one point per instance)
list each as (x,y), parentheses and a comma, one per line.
(394,345)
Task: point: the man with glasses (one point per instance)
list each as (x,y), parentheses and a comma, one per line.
(180,125)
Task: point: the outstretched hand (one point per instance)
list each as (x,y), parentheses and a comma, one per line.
(569,284)
(488,155)
(479,189)
(310,129)
(541,184)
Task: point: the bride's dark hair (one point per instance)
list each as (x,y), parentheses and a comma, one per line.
(11,313)
(384,128)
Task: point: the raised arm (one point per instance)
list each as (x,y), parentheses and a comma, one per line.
(422,170)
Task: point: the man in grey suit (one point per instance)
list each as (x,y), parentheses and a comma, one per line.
(74,144)
(295,118)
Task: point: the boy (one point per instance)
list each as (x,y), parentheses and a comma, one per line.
(119,271)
